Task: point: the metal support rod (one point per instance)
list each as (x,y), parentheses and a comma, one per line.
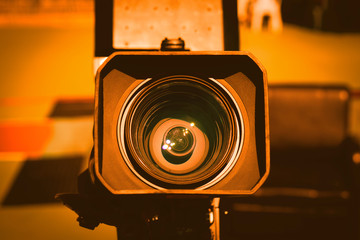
(214,218)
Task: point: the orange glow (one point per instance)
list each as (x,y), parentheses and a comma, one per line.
(47,55)
(356,158)
(29,137)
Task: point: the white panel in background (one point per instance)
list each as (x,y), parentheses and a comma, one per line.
(145,23)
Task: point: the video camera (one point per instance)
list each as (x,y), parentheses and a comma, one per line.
(181,123)
(173,129)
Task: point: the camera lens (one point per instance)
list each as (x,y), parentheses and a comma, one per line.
(180,132)
(178,141)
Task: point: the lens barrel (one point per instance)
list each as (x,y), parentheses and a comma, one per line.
(180,132)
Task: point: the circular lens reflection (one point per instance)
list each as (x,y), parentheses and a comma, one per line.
(179,131)
(178,141)
(176,148)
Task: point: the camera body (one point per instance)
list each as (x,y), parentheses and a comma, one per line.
(181,123)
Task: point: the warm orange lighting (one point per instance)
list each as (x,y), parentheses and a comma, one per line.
(356,158)
(30,137)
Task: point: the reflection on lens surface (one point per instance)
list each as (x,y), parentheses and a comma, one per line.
(179,140)
(177,147)
(180,132)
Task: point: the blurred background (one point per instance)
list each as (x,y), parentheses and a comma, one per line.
(310,48)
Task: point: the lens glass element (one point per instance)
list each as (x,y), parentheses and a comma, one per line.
(180,132)
(178,142)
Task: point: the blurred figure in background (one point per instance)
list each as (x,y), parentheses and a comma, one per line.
(257,13)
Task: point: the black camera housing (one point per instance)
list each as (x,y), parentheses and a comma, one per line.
(237,73)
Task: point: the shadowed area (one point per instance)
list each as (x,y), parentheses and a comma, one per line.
(39,180)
